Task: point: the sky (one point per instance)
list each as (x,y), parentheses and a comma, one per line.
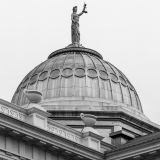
(125,32)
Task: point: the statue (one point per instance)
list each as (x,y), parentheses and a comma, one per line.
(75,24)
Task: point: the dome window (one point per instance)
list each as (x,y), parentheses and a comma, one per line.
(55,73)
(92,73)
(114,77)
(130,85)
(33,78)
(25,82)
(43,76)
(103,75)
(67,72)
(122,81)
(80,72)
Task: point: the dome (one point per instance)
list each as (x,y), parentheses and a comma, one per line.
(77,74)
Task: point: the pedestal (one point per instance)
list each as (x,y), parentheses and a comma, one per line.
(92,140)
(37,116)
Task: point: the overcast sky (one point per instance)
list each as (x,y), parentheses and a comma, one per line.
(125,32)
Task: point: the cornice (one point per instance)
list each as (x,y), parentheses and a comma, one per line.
(107,145)
(38,111)
(121,133)
(146,126)
(133,150)
(50,139)
(75,49)
(91,134)
(13,106)
(67,128)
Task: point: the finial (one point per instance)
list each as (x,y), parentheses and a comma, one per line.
(33,96)
(88,119)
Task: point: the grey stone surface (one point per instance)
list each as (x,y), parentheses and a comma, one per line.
(75,25)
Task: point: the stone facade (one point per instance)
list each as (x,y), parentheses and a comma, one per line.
(76,80)
(22,139)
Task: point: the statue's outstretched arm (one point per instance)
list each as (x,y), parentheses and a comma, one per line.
(83,11)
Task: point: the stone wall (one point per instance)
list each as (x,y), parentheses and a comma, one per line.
(11,147)
(157,158)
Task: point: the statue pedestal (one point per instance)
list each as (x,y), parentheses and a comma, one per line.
(92,140)
(37,116)
(91,137)
(72,45)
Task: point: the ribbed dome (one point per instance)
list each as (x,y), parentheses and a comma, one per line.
(78,72)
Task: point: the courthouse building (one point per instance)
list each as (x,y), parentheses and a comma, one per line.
(75,80)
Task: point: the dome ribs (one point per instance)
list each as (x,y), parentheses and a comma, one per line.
(79,73)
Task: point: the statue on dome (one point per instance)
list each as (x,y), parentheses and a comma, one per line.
(75,33)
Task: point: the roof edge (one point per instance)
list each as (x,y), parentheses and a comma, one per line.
(75,49)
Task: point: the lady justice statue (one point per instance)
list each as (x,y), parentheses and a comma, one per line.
(75,33)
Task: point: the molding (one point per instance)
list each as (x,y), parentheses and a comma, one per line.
(107,145)
(50,139)
(121,133)
(13,106)
(77,49)
(142,145)
(63,133)
(36,110)
(91,134)
(145,126)
(132,151)
(14,113)
(66,128)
